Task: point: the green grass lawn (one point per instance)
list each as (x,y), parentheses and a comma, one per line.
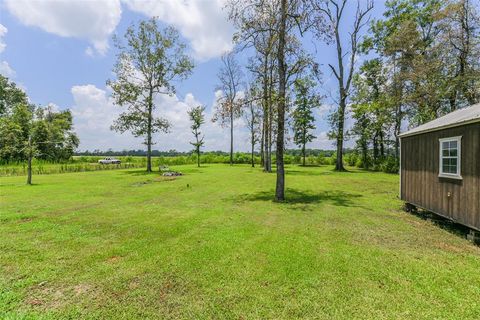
(121,244)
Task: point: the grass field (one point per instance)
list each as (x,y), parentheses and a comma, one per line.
(121,244)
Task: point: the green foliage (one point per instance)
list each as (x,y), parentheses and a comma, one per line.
(36,131)
(10,96)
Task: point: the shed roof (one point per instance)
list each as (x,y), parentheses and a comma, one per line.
(454,119)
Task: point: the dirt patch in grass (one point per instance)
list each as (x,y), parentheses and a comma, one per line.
(50,297)
(25,219)
(82,289)
(150,181)
(114,259)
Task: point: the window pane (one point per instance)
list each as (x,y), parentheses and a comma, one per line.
(445,145)
(445,152)
(453,144)
(453,163)
(453,152)
(445,168)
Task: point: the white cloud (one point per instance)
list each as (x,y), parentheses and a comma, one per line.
(94,112)
(3,32)
(91,20)
(6,70)
(203,23)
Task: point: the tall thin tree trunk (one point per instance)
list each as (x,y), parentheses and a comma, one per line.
(149,134)
(29,168)
(303,154)
(365,154)
(253,150)
(375,148)
(398,126)
(340,130)
(231,135)
(262,158)
(198,156)
(270,122)
(382,145)
(280,185)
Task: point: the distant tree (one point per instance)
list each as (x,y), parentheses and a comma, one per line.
(334,12)
(53,132)
(15,130)
(252,117)
(229,104)
(29,132)
(146,67)
(303,118)
(197,118)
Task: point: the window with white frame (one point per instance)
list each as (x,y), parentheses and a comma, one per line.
(450,157)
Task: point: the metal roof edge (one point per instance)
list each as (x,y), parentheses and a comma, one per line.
(453,125)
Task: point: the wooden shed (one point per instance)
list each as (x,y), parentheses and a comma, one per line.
(440,166)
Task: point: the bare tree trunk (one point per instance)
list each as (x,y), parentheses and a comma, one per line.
(198,156)
(303,154)
(340,132)
(270,120)
(280,185)
(375,148)
(266,120)
(269,138)
(365,153)
(382,145)
(231,135)
(262,157)
(253,150)
(149,132)
(29,168)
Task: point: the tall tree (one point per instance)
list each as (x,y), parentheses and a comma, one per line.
(303,118)
(281,103)
(279,22)
(197,117)
(146,67)
(229,104)
(371,109)
(461,37)
(405,41)
(334,11)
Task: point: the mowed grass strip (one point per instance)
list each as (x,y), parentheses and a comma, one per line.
(212,244)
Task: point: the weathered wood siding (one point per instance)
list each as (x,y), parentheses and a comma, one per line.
(421,185)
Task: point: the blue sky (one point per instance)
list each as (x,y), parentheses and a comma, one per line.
(61,53)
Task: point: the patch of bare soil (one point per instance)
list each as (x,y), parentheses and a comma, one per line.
(25,219)
(114,259)
(48,297)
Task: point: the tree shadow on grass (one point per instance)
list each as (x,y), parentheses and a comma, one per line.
(321,173)
(296,197)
